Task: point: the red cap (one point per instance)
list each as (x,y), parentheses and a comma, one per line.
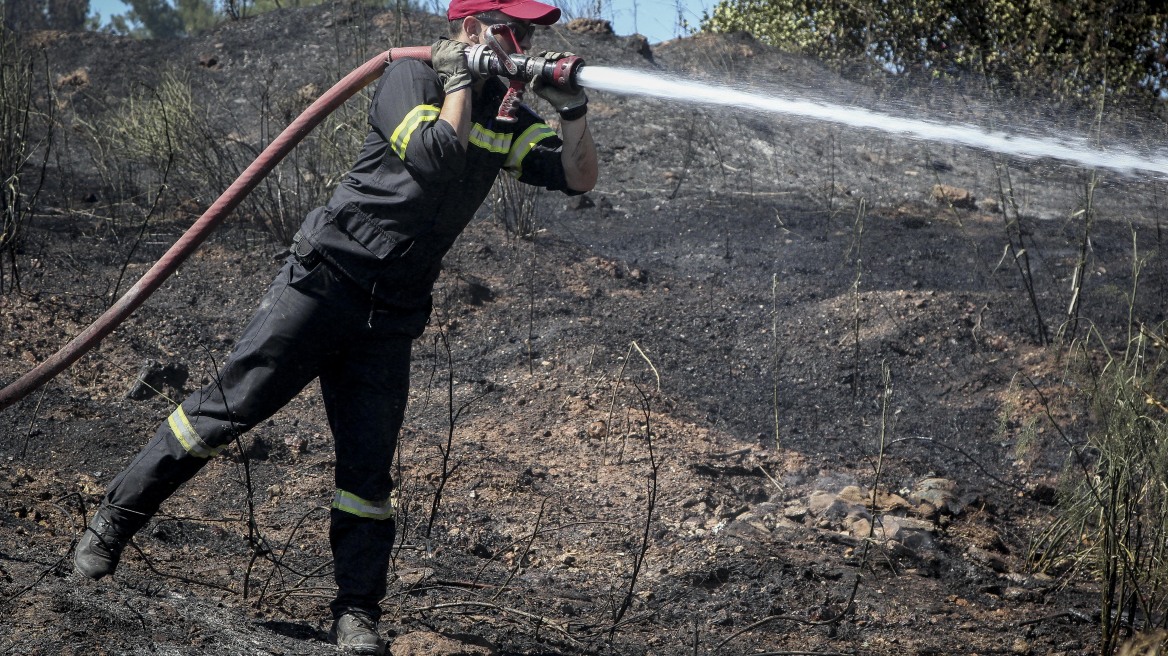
(526,10)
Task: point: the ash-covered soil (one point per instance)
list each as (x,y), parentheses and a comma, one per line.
(666,406)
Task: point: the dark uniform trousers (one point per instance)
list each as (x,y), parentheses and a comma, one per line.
(311,323)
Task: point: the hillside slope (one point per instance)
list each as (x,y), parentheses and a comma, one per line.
(670,400)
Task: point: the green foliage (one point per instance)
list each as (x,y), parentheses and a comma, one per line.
(149,18)
(150,125)
(1112,521)
(25,15)
(1071,48)
(197,15)
(243,8)
(68,15)
(162,137)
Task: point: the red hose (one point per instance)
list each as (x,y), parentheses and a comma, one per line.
(198,232)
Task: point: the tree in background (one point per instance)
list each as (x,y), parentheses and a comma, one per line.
(25,15)
(165,19)
(68,15)
(149,18)
(1075,49)
(197,15)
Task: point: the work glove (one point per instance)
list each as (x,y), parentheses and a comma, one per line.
(570,104)
(449,61)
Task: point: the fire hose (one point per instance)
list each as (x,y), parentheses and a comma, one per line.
(489,59)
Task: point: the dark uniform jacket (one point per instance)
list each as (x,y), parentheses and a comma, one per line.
(414,187)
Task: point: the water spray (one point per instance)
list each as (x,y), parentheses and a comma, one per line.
(1069,149)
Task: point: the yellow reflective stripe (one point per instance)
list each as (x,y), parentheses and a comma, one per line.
(355,505)
(400,138)
(523,145)
(186,435)
(494,142)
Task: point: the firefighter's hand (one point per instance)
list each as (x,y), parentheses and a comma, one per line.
(570,104)
(449,61)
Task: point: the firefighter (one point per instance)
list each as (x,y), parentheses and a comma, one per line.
(356,291)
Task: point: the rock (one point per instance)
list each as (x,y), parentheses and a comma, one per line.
(428,643)
(914,534)
(853,500)
(795,512)
(1015,593)
(955,196)
(825,504)
(940,493)
(853,495)
(885,501)
(597,429)
(154,376)
(858,525)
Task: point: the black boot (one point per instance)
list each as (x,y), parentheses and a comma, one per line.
(101,545)
(355,632)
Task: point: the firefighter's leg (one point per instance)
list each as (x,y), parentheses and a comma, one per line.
(366,398)
(277,355)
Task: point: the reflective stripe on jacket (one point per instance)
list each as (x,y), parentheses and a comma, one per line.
(414,187)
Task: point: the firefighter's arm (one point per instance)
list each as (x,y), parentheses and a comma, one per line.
(578,155)
(579,152)
(449,62)
(456,111)
(420,123)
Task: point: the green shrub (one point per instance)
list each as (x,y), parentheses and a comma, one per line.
(1069,48)
(160,137)
(1112,519)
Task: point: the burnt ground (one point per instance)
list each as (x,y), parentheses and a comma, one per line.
(748,307)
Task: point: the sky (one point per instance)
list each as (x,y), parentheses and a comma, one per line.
(656,19)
